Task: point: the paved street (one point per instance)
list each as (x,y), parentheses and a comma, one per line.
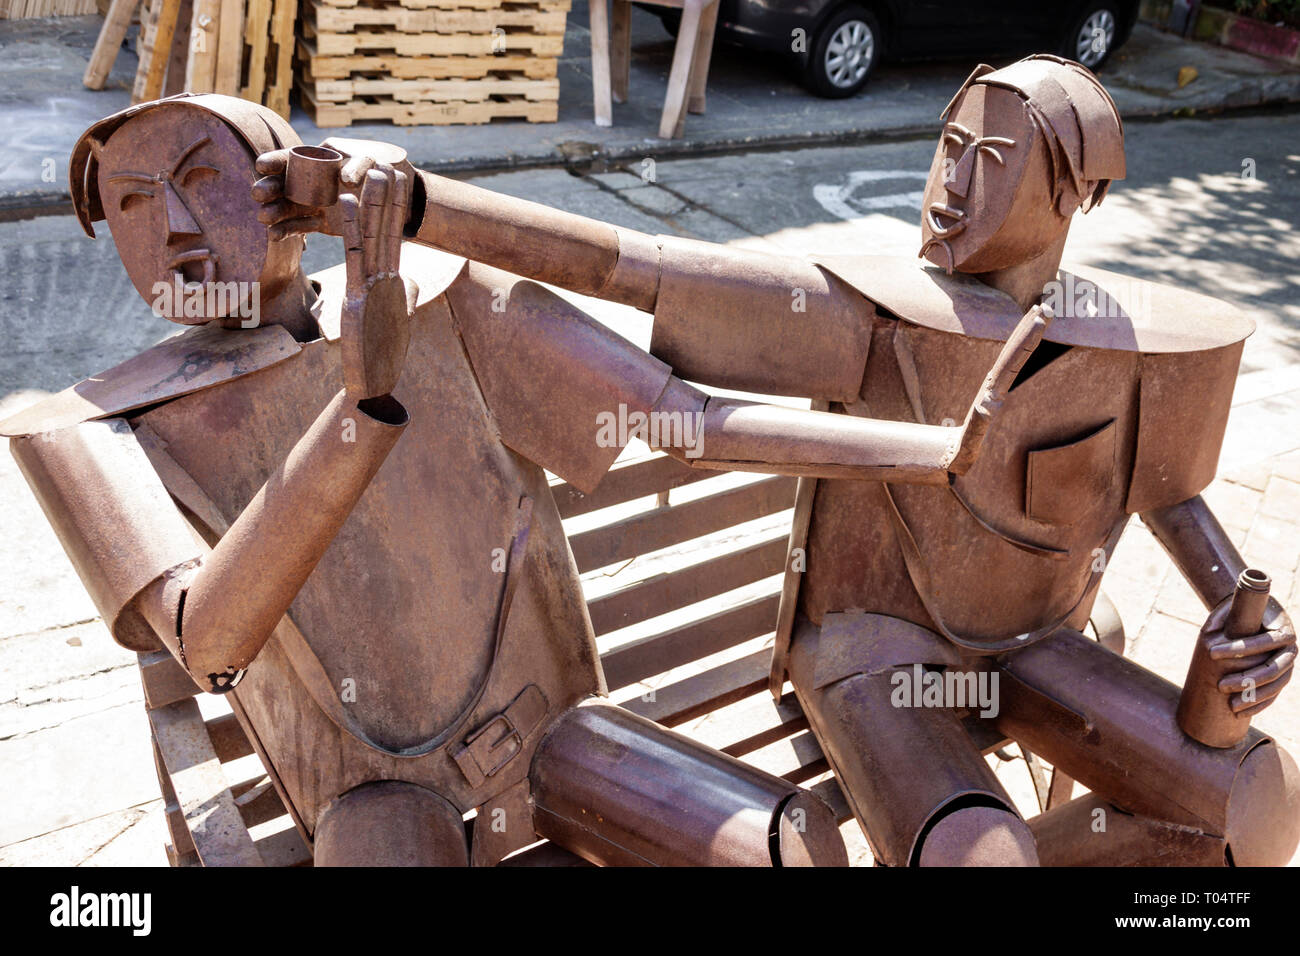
(1210,205)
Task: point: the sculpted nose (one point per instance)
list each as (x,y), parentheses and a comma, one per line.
(180,222)
(958,181)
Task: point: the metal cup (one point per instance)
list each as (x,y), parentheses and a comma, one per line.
(311,177)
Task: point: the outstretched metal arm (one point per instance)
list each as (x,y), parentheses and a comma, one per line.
(750,436)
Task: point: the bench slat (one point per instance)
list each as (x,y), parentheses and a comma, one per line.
(676,589)
(211,816)
(663,527)
(627,483)
(652,655)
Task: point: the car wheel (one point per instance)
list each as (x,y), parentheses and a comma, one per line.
(1093,35)
(843,53)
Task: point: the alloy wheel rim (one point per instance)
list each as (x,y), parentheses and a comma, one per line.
(1095,37)
(849,54)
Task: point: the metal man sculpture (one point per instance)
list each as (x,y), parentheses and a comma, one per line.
(916,553)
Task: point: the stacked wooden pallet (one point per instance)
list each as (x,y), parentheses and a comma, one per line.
(22,9)
(237,47)
(430,62)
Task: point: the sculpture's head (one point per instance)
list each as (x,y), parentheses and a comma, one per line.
(1022,148)
(173,179)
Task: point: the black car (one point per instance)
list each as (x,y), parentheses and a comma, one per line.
(839,42)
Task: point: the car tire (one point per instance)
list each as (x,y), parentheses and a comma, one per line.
(844,53)
(1094,34)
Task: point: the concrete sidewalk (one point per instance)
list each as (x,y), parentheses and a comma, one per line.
(753,99)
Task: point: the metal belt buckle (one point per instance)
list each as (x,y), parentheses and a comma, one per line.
(481,752)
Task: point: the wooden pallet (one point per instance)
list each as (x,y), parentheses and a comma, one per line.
(456,4)
(431,91)
(433,44)
(656,542)
(421,67)
(22,9)
(368,109)
(538,18)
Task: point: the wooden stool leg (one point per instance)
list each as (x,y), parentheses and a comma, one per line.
(674,116)
(703,53)
(600,89)
(620,48)
(109,42)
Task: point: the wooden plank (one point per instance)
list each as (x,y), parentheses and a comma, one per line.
(426,114)
(643,533)
(214,823)
(144,47)
(255,44)
(700,693)
(652,655)
(598,24)
(257,801)
(164,680)
(179,55)
(432,44)
(160,53)
(108,43)
(329,19)
(201,70)
(279,67)
(228,738)
(620,49)
(230,48)
(676,589)
(461,4)
(625,483)
(423,67)
(283,848)
(433,91)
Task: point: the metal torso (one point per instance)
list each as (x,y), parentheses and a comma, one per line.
(402,611)
(1019,542)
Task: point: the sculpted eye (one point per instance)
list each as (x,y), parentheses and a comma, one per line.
(990,151)
(133,198)
(195,173)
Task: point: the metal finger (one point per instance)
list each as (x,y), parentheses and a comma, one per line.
(354,170)
(268,188)
(1262,697)
(374,199)
(1265,673)
(353,244)
(1249,646)
(295,227)
(272,163)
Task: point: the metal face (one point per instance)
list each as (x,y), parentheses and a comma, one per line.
(988,182)
(174,182)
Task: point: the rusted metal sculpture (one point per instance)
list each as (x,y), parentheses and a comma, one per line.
(922,557)
(962,486)
(437,656)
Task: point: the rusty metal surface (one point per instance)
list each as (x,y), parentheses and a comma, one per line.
(866,736)
(184,363)
(390,823)
(620,790)
(776,326)
(111,513)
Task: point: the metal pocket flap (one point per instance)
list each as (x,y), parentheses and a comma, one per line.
(1064,482)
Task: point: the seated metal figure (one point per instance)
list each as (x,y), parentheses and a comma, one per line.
(436,656)
(915,554)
